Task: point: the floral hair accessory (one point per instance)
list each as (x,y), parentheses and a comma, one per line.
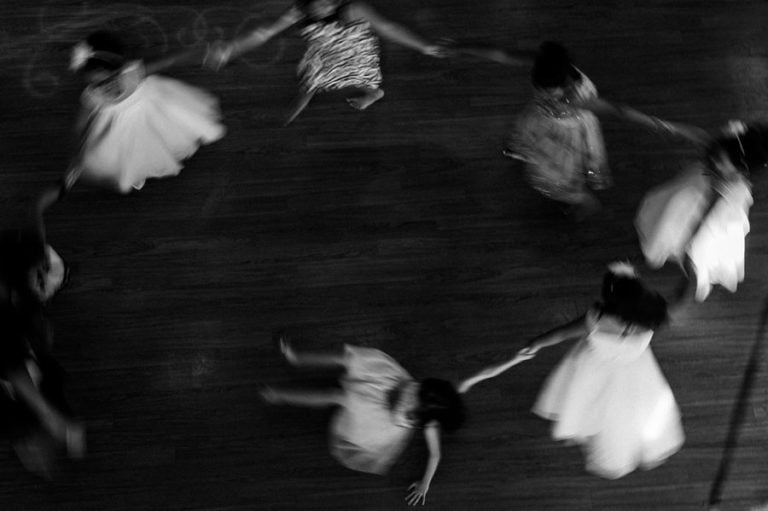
(81,52)
(622,269)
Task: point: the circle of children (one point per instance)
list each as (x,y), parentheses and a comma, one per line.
(608,394)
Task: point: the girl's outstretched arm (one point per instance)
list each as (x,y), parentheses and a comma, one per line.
(574,329)
(47,198)
(505,57)
(394,31)
(688,132)
(194,55)
(221,53)
(418,490)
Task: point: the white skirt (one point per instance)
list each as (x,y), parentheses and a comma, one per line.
(669,215)
(149,133)
(365,435)
(624,416)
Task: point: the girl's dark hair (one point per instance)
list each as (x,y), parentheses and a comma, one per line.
(552,66)
(439,401)
(627,298)
(109,52)
(748,151)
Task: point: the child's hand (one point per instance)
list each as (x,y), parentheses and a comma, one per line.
(438,51)
(71,177)
(218,55)
(417,492)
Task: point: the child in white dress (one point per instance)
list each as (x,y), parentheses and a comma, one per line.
(379,407)
(136,125)
(608,394)
(699,220)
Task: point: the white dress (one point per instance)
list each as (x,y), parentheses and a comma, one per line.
(145,129)
(369,431)
(609,395)
(670,226)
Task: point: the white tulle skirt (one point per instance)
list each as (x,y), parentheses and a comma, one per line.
(670,225)
(149,133)
(624,416)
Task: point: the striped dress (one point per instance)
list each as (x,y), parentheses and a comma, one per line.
(339,55)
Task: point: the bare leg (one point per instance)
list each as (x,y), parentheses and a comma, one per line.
(369,96)
(685,293)
(309,398)
(37,452)
(59,427)
(299,105)
(310,359)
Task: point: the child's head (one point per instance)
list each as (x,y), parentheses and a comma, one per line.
(625,296)
(740,148)
(552,67)
(318,9)
(96,57)
(32,279)
(439,401)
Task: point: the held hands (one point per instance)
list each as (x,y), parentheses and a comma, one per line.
(417,492)
(438,51)
(524,354)
(218,55)
(527,353)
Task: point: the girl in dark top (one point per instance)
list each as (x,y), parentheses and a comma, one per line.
(34,415)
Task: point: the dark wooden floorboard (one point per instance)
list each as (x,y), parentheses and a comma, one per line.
(401,228)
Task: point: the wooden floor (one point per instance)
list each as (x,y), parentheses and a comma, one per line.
(401,228)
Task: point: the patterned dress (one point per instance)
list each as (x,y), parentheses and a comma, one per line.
(339,55)
(562,146)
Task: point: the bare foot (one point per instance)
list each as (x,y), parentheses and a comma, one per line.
(75,438)
(366,100)
(269,395)
(287,351)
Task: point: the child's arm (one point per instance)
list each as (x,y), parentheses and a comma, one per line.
(394,31)
(46,199)
(194,55)
(418,490)
(50,418)
(495,370)
(508,58)
(601,107)
(572,330)
(222,53)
